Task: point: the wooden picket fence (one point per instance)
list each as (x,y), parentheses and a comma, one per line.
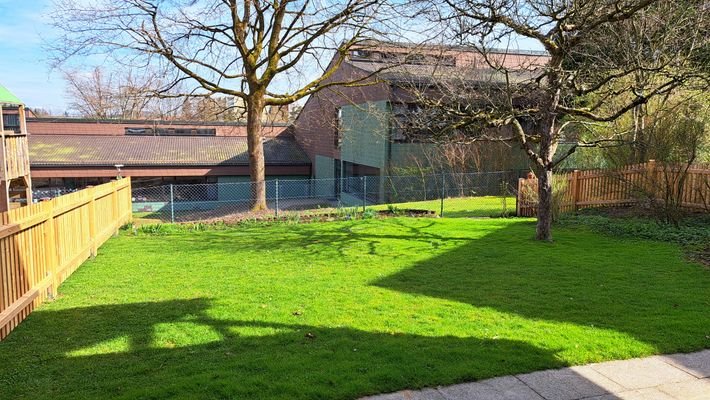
(631,185)
(42,244)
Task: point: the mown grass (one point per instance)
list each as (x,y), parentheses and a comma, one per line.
(344,309)
(458,207)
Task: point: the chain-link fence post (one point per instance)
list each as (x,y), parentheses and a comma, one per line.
(364,193)
(172,205)
(443,193)
(277,197)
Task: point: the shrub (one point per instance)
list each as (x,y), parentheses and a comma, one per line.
(691,234)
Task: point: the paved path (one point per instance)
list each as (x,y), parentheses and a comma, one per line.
(671,377)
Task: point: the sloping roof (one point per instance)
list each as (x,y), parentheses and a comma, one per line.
(6,97)
(154,151)
(147,122)
(412,73)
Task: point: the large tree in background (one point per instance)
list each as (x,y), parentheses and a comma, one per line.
(266,52)
(597,50)
(102,94)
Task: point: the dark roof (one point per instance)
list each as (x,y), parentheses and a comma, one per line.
(147,122)
(411,73)
(372,43)
(152,151)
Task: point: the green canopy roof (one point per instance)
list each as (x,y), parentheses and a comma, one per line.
(6,97)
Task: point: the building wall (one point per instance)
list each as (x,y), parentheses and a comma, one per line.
(324,173)
(405,157)
(365,141)
(239,188)
(315,125)
(365,134)
(75,126)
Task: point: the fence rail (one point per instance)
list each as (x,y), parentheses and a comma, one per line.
(41,245)
(648,182)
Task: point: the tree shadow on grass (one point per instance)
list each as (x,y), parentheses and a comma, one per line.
(640,288)
(337,237)
(174,349)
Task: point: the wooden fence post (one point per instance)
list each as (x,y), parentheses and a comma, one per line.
(50,252)
(114,200)
(519,197)
(92,222)
(575,189)
(129,218)
(651,180)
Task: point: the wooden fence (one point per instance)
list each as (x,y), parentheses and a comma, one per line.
(648,182)
(42,244)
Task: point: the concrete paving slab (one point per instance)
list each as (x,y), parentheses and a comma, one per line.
(425,394)
(642,373)
(505,388)
(697,364)
(698,389)
(387,396)
(591,375)
(652,378)
(562,384)
(640,394)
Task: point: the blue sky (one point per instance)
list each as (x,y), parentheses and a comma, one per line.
(24,64)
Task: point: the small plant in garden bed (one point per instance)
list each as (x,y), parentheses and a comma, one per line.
(693,234)
(343,214)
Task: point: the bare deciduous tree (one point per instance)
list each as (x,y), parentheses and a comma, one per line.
(583,82)
(256,50)
(104,94)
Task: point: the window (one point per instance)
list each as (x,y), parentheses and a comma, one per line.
(406,122)
(147,131)
(138,131)
(416,59)
(360,54)
(430,59)
(337,134)
(11,122)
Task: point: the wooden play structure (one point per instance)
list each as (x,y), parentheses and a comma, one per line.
(15,182)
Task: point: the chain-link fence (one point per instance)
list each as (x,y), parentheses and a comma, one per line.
(453,195)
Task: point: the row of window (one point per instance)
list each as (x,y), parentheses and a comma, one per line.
(407,58)
(171,131)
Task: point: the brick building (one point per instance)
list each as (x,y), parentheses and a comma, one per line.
(341,132)
(71,153)
(353,131)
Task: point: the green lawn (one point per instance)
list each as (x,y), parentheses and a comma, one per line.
(344,309)
(457,207)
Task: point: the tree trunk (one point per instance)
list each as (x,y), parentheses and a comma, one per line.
(544,205)
(255,147)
